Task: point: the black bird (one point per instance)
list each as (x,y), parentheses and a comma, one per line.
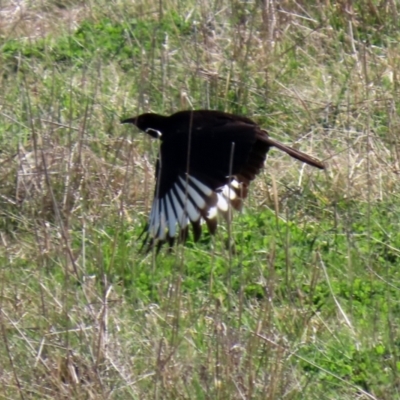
(207,160)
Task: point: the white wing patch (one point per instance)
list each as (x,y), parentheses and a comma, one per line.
(190,200)
(193,194)
(187,203)
(229,192)
(203,188)
(171,217)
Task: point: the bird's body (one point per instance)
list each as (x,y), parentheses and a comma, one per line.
(206,162)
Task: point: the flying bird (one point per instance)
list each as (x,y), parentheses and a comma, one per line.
(206,162)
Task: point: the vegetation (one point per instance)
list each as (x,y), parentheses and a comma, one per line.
(297,298)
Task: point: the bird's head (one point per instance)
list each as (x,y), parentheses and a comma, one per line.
(152,124)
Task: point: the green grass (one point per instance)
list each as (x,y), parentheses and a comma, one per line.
(299,298)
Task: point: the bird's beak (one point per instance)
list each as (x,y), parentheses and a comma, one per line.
(129,121)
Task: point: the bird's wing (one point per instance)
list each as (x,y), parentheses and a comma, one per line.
(222,161)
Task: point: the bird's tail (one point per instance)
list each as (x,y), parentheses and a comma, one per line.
(299,155)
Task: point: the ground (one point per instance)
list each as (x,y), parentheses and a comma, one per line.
(297,298)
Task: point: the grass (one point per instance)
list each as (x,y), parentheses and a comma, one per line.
(298,299)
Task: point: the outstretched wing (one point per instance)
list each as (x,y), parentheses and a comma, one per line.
(200,175)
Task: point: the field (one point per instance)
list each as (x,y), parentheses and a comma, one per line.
(297,298)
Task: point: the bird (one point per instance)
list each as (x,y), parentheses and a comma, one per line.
(206,162)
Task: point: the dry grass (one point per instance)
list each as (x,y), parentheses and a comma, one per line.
(84,315)
(29,20)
